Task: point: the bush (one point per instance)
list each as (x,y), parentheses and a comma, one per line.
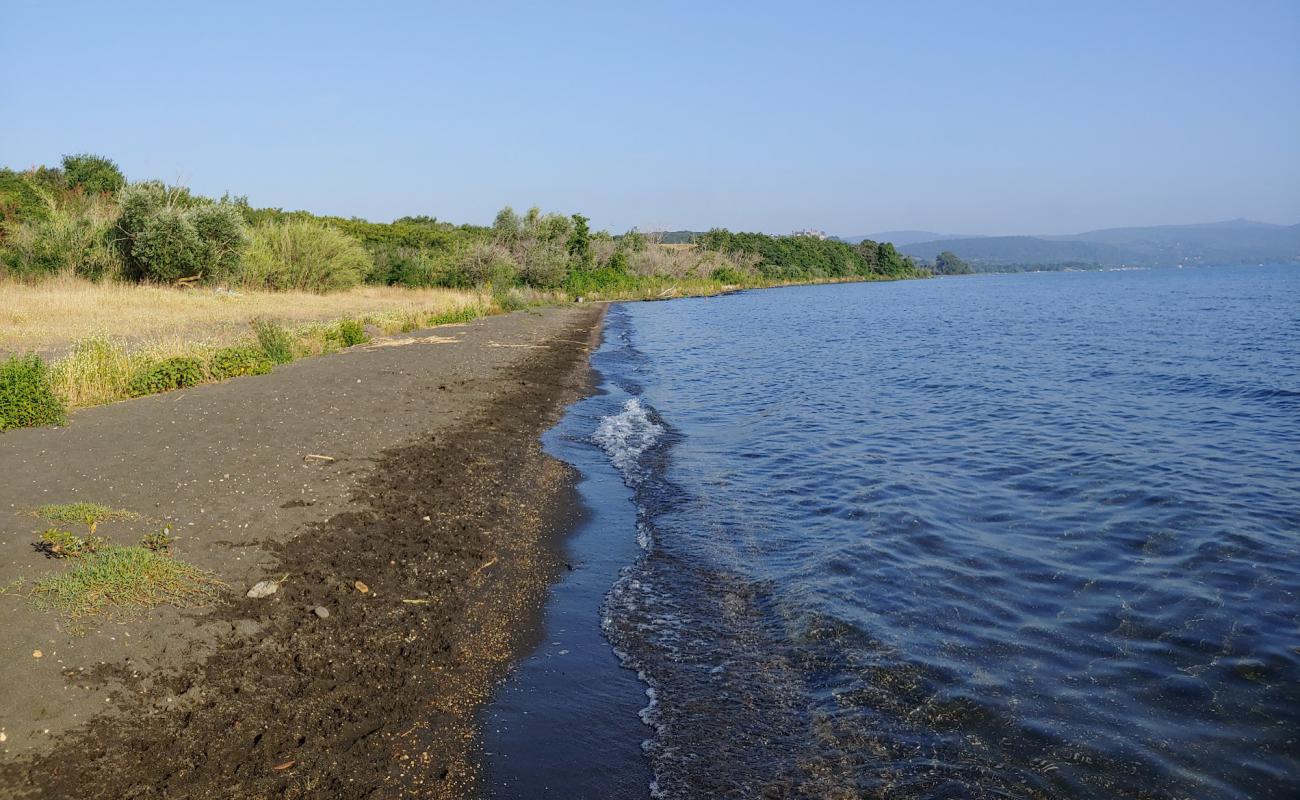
(485,262)
(166,233)
(274,340)
(72,237)
(167,375)
(348,332)
(728,275)
(233,362)
(304,255)
(97,370)
(93,174)
(26,396)
(19,199)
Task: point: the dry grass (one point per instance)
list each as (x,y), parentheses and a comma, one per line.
(49,316)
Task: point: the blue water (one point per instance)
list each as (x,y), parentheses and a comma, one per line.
(991,536)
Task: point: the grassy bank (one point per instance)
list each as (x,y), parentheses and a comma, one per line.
(111,289)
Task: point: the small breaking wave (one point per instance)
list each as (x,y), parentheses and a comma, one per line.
(627,435)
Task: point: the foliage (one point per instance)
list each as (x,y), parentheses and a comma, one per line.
(73,236)
(20,200)
(115,578)
(348,333)
(59,543)
(158,541)
(947,263)
(304,255)
(579,243)
(232,362)
(88,514)
(274,340)
(27,397)
(97,370)
(92,174)
(487,263)
(169,374)
(804,257)
(165,233)
(728,275)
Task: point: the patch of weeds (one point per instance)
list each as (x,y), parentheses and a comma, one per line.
(462,314)
(274,340)
(59,543)
(118,579)
(88,514)
(158,541)
(178,372)
(232,362)
(27,395)
(347,333)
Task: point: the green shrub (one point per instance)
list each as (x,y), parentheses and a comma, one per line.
(26,396)
(165,233)
(274,340)
(484,262)
(19,199)
(304,255)
(167,375)
(728,275)
(462,314)
(65,544)
(232,362)
(93,174)
(348,332)
(72,237)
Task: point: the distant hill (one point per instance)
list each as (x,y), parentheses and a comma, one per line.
(900,238)
(1232,242)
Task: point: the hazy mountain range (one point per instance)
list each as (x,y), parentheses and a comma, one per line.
(1234,242)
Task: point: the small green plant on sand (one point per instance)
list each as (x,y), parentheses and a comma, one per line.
(348,332)
(158,541)
(232,362)
(27,396)
(117,579)
(274,340)
(88,514)
(178,372)
(65,544)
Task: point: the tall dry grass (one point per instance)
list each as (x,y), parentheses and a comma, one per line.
(47,317)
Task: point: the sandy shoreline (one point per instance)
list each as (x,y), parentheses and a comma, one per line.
(439,493)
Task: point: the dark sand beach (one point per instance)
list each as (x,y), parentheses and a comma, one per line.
(435,494)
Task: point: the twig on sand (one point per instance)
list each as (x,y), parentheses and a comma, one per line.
(483,566)
(318,457)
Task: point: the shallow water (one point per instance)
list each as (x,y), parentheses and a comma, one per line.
(996,536)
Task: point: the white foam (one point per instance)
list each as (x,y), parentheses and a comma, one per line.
(626,435)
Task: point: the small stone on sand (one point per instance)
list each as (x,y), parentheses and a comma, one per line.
(263,589)
(321,611)
(361,587)
(37,654)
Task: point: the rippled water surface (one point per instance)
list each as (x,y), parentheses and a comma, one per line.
(997,536)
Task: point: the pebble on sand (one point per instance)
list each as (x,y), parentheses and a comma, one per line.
(321,611)
(263,589)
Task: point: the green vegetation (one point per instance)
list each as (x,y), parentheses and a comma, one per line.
(88,514)
(347,333)
(947,263)
(114,578)
(59,543)
(27,396)
(83,219)
(233,362)
(305,255)
(807,257)
(169,374)
(275,341)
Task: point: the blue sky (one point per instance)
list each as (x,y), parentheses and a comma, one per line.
(998,117)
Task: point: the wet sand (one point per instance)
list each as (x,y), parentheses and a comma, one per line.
(438,493)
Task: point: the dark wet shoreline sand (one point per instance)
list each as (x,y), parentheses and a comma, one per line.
(439,494)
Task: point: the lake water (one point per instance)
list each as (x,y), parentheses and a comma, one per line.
(993,536)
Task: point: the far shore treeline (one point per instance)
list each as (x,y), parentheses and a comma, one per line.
(84,218)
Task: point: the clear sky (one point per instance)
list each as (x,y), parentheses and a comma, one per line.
(961,117)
